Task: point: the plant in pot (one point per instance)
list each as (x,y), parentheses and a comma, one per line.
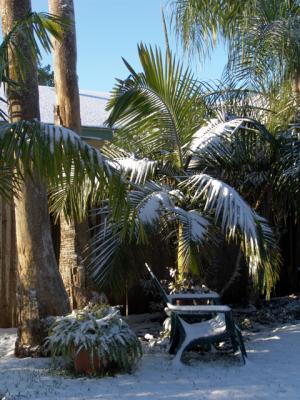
(94,341)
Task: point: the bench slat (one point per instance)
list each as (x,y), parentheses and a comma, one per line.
(191,296)
(199,309)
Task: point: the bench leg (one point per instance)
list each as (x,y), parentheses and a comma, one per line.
(177,334)
(184,345)
(241,344)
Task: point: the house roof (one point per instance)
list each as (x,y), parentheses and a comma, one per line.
(92,106)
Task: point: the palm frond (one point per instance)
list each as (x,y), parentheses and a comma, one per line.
(288,167)
(9,182)
(34,30)
(201,24)
(229,98)
(262,36)
(194,233)
(266,42)
(228,145)
(137,170)
(237,219)
(150,200)
(104,248)
(143,207)
(62,159)
(157,103)
(151,208)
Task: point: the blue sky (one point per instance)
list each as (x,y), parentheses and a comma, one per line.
(110,29)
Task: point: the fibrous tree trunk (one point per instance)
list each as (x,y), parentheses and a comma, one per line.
(40,288)
(73,236)
(8,276)
(65,75)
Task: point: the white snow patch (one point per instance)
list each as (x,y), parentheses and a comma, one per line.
(232,211)
(149,212)
(272,372)
(212,133)
(138,169)
(198,225)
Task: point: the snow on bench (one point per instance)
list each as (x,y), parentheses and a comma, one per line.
(194,296)
(199,309)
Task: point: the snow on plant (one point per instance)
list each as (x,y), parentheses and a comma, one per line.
(153,205)
(210,134)
(101,332)
(138,170)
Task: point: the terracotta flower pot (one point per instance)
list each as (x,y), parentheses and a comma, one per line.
(86,364)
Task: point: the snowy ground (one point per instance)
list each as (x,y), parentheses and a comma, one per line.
(272,372)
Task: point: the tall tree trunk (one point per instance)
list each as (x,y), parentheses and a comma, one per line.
(40,288)
(74,236)
(8,275)
(65,75)
(295,83)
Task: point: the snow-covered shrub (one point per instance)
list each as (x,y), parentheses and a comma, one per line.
(101,334)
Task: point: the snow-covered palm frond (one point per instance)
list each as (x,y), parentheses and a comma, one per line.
(239,144)
(150,207)
(213,133)
(53,150)
(226,204)
(138,170)
(72,169)
(195,225)
(144,206)
(214,138)
(150,200)
(236,218)
(208,133)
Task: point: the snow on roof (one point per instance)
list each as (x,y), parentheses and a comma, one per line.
(92,106)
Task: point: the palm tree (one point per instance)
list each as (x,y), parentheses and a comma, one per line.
(263,168)
(262,36)
(74,236)
(160,112)
(9,180)
(263,41)
(41,155)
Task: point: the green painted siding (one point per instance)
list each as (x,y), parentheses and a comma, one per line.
(94,133)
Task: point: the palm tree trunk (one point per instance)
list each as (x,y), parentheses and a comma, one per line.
(235,273)
(40,289)
(74,236)
(65,75)
(180,260)
(8,265)
(296,89)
